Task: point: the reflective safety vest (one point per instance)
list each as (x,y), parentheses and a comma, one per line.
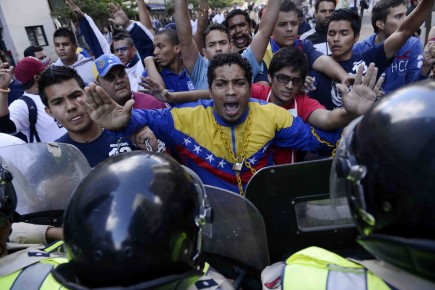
(317,269)
(30,269)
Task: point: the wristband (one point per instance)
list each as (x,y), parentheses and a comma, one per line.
(5,90)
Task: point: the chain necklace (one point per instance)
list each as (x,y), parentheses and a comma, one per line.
(239,160)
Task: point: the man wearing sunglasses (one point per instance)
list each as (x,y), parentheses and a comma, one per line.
(123,47)
(287,71)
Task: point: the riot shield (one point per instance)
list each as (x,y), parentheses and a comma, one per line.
(45,176)
(294,202)
(238,232)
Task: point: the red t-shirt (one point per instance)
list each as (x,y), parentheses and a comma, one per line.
(305,106)
(144,101)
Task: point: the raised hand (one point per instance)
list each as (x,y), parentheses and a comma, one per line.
(75,9)
(144,138)
(310,84)
(103,110)
(364,91)
(6,73)
(152,88)
(118,15)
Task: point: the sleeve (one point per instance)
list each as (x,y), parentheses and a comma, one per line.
(262,76)
(24,233)
(306,106)
(160,122)
(93,36)
(199,73)
(299,135)
(259,91)
(19,114)
(142,38)
(256,67)
(312,53)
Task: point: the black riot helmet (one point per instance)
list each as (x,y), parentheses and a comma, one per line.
(8,197)
(132,219)
(385,165)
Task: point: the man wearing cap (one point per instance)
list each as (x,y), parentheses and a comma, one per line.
(16,117)
(110,74)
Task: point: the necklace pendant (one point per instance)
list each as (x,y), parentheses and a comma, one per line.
(238,166)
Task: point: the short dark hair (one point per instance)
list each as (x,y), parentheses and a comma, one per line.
(381,9)
(347,15)
(235,12)
(65,32)
(291,57)
(171,34)
(31,50)
(212,27)
(228,59)
(55,75)
(316,5)
(122,35)
(287,6)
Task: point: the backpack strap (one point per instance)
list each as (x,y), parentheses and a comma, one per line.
(33,116)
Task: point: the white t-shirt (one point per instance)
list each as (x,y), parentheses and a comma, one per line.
(134,74)
(47,128)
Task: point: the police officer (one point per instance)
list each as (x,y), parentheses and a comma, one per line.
(384,169)
(135,222)
(29,268)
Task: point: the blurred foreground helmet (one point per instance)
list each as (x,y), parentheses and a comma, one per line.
(8,197)
(385,165)
(132,219)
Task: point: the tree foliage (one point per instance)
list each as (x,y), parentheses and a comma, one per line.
(97,9)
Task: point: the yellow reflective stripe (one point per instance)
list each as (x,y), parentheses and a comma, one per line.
(206,267)
(54,246)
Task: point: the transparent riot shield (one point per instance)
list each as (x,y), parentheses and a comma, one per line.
(238,233)
(45,176)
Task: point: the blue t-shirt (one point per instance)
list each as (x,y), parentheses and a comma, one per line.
(175,82)
(406,65)
(326,92)
(106,145)
(199,74)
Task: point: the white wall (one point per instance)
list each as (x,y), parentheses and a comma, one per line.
(17,14)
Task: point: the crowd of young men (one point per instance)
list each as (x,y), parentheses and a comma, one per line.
(306,75)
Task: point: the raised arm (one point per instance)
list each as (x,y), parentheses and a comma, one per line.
(93,36)
(202,24)
(6,124)
(144,16)
(189,49)
(407,28)
(267,24)
(356,102)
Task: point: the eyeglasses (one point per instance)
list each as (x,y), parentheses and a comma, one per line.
(285,79)
(121,49)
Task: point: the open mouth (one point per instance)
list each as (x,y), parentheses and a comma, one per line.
(231,108)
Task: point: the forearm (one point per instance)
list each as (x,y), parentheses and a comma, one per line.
(330,120)
(184,28)
(267,24)
(152,71)
(189,96)
(25,233)
(144,16)
(202,24)
(4,109)
(331,68)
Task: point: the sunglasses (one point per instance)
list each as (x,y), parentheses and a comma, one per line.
(285,79)
(121,49)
